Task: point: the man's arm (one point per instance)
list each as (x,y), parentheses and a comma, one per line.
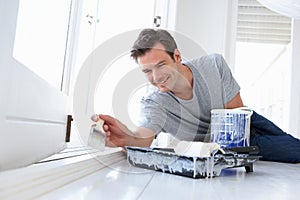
(118,135)
(235,102)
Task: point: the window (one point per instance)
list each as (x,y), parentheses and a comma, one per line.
(263,60)
(41,38)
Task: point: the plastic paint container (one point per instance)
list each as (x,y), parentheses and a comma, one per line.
(230,127)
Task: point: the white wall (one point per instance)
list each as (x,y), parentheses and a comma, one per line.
(205,21)
(294,125)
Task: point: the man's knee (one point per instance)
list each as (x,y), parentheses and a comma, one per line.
(283,148)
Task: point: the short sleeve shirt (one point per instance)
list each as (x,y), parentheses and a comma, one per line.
(213,87)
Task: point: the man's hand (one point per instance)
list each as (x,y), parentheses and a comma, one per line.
(118,135)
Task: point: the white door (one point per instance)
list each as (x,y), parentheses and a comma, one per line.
(112,21)
(33,108)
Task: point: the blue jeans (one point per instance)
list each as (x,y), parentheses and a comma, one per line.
(274,144)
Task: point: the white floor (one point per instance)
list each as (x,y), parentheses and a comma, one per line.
(77,173)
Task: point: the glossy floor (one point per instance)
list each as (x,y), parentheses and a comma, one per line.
(74,175)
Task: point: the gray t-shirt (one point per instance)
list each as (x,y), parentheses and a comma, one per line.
(213,87)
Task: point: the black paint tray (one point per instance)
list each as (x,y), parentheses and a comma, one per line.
(166,160)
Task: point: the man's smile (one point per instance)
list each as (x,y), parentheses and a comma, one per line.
(163,82)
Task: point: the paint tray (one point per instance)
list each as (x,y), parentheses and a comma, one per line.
(166,160)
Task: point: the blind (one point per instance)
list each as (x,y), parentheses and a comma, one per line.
(257,23)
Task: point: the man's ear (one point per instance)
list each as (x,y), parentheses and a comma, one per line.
(177,56)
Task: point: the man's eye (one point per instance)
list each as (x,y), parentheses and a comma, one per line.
(146,71)
(160,65)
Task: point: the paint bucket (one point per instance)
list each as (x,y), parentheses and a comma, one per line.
(230,127)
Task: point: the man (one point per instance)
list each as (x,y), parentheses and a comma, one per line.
(184,95)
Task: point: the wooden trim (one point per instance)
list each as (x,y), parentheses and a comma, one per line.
(68,131)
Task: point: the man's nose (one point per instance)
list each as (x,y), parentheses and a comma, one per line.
(157,76)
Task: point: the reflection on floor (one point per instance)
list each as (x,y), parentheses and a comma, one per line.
(84,173)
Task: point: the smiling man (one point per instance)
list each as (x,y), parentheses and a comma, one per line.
(182,97)
(166,73)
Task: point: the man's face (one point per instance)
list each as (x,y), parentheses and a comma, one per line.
(160,69)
